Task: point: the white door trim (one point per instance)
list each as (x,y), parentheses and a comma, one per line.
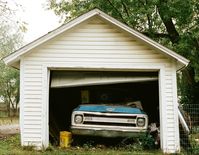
(45,106)
(143,67)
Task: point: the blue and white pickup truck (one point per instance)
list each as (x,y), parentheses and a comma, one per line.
(107,120)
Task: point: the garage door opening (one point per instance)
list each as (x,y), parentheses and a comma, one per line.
(71,88)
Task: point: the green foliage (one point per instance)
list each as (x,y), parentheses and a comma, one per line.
(147,142)
(131,12)
(9,77)
(10,40)
(194,148)
(144,142)
(9,144)
(134,147)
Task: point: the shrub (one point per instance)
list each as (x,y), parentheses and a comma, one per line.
(194,146)
(147,142)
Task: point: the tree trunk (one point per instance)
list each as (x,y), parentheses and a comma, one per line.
(167,20)
(8,109)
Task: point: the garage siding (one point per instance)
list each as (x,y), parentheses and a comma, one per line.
(32,107)
(92,43)
(170,107)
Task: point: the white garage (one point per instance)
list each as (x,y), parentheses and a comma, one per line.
(93,52)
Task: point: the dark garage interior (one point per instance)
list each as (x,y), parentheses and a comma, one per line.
(63,100)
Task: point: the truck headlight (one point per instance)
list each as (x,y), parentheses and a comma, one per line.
(78,119)
(140,122)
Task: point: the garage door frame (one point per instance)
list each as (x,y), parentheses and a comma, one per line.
(162,102)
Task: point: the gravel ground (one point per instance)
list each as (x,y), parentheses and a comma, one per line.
(8,130)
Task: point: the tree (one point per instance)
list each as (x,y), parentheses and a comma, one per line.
(10,40)
(9,83)
(173,23)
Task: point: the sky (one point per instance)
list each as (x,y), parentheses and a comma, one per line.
(39,20)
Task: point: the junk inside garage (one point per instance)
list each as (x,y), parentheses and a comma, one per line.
(72,88)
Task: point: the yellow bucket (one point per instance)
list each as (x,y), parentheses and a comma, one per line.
(65,139)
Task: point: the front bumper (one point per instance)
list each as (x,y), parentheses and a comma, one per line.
(107,132)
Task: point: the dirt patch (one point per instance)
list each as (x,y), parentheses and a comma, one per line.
(8,130)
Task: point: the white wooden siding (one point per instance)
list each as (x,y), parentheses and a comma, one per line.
(32,107)
(88,44)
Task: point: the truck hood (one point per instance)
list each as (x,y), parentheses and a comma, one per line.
(109,109)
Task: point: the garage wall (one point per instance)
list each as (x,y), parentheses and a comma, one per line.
(92,44)
(31,104)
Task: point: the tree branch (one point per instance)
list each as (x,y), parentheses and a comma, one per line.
(189,74)
(156,35)
(125,8)
(167,20)
(149,18)
(117,11)
(9,94)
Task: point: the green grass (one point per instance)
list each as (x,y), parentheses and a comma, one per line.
(12,146)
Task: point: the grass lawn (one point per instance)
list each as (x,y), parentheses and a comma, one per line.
(12,146)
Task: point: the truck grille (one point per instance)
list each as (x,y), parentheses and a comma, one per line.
(109,124)
(109,120)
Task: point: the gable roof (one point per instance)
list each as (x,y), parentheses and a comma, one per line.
(14,57)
